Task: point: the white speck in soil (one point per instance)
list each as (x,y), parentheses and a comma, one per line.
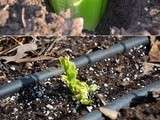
(93,81)
(113,98)
(141,71)
(9,81)
(146,9)
(135,76)
(13,98)
(47,113)
(138,22)
(133,57)
(109,59)
(139,84)
(105,85)
(50,118)
(117,61)
(91,69)
(13,68)
(155,69)
(95,44)
(15,110)
(127,79)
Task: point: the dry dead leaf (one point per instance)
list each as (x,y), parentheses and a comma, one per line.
(4,15)
(65,25)
(154,53)
(5,2)
(148,67)
(21,52)
(112,114)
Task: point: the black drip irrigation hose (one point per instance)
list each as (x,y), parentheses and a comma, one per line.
(121,47)
(123,101)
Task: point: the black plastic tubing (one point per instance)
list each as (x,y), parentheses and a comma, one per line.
(121,47)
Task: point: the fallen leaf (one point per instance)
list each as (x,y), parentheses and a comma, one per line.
(5,2)
(4,15)
(65,25)
(112,114)
(154,53)
(21,52)
(147,68)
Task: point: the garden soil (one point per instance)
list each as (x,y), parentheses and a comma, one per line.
(52,100)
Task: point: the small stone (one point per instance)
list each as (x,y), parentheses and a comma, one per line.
(49,106)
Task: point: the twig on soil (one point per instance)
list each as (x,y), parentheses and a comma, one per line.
(23,18)
(102,99)
(6,7)
(8,50)
(50,48)
(35,59)
(19,43)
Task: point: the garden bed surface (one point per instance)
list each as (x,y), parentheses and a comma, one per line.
(52,99)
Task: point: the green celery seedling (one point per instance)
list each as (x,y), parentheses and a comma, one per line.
(81,90)
(91,10)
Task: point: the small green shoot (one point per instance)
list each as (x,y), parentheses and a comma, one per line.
(81,90)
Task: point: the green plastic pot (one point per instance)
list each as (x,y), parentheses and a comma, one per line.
(91,10)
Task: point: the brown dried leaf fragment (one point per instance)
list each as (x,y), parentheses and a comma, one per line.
(4,15)
(21,52)
(148,67)
(154,53)
(112,114)
(5,2)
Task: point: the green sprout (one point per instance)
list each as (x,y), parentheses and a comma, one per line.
(81,90)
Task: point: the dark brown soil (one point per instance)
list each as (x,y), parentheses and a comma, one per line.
(126,17)
(52,99)
(131,17)
(146,111)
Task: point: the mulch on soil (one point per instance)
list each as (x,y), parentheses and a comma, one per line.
(52,99)
(126,17)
